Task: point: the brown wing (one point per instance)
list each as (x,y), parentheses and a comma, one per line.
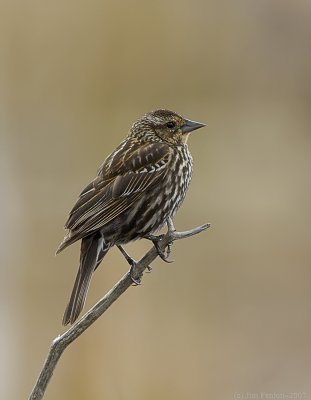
(120,182)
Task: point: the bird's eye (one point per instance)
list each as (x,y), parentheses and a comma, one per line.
(171,124)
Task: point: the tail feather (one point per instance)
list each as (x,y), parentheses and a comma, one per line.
(93,250)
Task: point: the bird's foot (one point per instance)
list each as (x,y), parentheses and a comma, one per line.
(132,262)
(136,281)
(164,255)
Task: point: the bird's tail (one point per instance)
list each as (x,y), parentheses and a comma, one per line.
(93,250)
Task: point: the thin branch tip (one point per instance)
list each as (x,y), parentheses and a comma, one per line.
(205,226)
(190,232)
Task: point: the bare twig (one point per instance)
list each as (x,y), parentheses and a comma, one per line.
(60,343)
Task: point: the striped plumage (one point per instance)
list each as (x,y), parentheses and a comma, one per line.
(138,187)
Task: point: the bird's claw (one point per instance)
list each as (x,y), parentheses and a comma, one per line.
(164,255)
(168,251)
(136,281)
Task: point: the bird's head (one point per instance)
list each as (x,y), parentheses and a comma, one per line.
(164,125)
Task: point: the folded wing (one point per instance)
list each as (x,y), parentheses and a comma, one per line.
(121,181)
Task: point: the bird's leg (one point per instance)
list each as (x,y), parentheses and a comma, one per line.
(129,259)
(170,225)
(157,239)
(132,263)
(170,229)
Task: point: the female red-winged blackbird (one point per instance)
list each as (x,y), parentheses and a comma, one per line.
(138,187)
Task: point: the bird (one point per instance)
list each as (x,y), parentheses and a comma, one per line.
(138,188)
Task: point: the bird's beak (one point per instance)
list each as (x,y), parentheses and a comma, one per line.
(190,126)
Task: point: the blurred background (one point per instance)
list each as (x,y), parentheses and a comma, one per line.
(231,317)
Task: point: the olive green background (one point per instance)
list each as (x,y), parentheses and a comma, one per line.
(231,317)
